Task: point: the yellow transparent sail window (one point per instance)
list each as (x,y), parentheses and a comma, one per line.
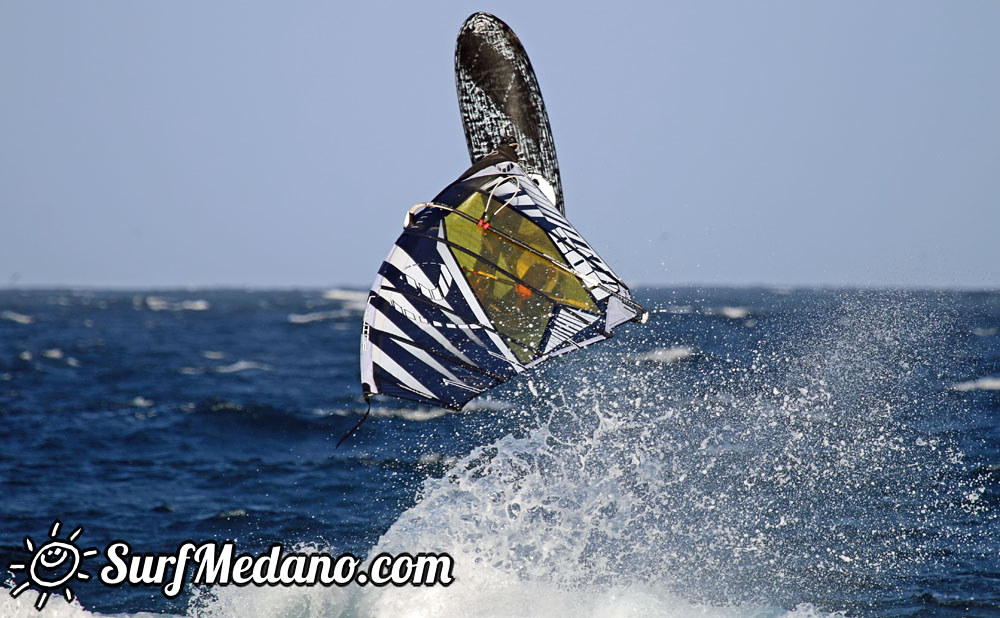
(520,303)
(558,284)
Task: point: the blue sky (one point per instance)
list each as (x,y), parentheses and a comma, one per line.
(280,144)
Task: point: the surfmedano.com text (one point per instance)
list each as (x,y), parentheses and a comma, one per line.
(218,564)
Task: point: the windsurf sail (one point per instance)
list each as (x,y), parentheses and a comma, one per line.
(486,281)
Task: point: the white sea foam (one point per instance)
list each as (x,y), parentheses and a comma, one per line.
(616,504)
(316,316)
(193,305)
(350,296)
(675,309)
(734,313)
(489,592)
(480,590)
(155,303)
(668,355)
(484,403)
(433,459)
(991,383)
(14,316)
(23,606)
(352,301)
(158,303)
(241,365)
(411,414)
(418,413)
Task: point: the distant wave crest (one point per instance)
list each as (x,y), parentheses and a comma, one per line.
(991,383)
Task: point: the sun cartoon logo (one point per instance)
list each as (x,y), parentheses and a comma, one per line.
(54,564)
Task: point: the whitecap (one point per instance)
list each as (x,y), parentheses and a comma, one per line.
(23,606)
(487,404)
(422,413)
(350,300)
(411,414)
(53,353)
(984,332)
(478,589)
(675,309)
(483,586)
(193,305)
(14,316)
(432,459)
(734,313)
(346,295)
(240,365)
(158,303)
(991,383)
(315,316)
(669,355)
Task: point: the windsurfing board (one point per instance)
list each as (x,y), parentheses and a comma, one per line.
(500,101)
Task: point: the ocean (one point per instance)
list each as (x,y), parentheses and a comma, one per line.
(749,452)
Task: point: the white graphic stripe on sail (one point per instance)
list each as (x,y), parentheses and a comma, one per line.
(431,362)
(565,349)
(384,324)
(415,275)
(539,198)
(565,325)
(402,304)
(399,374)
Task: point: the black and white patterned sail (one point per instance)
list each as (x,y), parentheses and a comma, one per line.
(485,282)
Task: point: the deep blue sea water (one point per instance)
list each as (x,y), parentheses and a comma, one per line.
(750,452)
